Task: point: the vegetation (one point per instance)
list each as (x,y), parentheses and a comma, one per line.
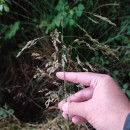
(40,37)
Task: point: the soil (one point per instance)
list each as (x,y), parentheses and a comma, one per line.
(19,88)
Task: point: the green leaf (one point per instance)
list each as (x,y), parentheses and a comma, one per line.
(12,30)
(125,86)
(71,12)
(81,7)
(10,111)
(78,13)
(79,10)
(42,24)
(6,8)
(50,27)
(66,20)
(58,20)
(116,72)
(1,7)
(5,114)
(2,1)
(5,106)
(59,6)
(128,93)
(72,22)
(1,112)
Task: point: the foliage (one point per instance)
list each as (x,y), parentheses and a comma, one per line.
(65,15)
(5,112)
(11,31)
(78,35)
(4,6)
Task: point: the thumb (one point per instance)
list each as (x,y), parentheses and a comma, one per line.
(76,108)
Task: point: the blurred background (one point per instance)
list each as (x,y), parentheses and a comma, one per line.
(39,38)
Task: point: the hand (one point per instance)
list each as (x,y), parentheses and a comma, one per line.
(102,104)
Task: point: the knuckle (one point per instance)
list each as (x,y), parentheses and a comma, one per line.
(106,77)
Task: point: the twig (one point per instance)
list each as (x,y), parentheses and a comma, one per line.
(110,4)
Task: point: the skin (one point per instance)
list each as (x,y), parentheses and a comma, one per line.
(102,103)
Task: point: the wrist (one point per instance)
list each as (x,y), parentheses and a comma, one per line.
(121,120)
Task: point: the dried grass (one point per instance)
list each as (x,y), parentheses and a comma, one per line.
(61,58)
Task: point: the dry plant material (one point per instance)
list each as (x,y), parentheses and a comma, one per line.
(106,5)
(84,42)
(55,39)
(102,18)
(52,97)
(83,65)
(87,35)
(29,44)
(36,56)
(40,73)
(106,50)
(93,20)
(52,66)
(105,19)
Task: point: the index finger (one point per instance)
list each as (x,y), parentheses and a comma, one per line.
(84,78)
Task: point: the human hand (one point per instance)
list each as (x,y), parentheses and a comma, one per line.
(102,104)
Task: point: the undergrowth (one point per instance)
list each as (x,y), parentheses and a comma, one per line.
(57,36)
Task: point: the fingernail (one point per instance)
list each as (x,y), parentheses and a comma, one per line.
(58,74)
(65,107)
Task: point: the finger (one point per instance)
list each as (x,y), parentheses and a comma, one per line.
(75,119)
(78,120)
(76,108)
(65,115)
(61,104)
(82,95)
(84,78)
